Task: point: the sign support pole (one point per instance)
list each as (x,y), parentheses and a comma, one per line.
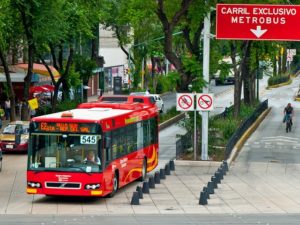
(206,46)
(195,135)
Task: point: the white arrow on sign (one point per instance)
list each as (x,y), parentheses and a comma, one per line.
(258,32)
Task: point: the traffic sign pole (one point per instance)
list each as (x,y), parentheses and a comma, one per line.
(206,46)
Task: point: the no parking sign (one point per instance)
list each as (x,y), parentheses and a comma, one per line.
(185,102)
(205,102)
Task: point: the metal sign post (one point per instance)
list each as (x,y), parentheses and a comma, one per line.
(206,46)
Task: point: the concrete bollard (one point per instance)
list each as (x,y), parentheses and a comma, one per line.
(135,200)
(139,190)
(210,187)
(151,182)
(167,169)
(162,174)
(203,199)
(214,180)
(217,176)
(156,177)
(205,190)
(225,165)
(223,169)
(221,173)
(172,165)
(145,187)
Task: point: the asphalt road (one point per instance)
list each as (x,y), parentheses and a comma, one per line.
(217,219)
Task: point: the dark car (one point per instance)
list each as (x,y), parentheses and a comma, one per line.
(225,81)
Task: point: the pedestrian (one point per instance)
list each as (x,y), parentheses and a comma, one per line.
(18,108)
(32,113)
(7,109)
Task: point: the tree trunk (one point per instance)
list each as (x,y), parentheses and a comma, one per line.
(27,81)
(10,87)
(95,43)
(246,74)
(274,66)
(279,63)
(238,80)
(283,66)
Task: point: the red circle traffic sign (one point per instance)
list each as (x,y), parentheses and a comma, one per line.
(185,101)
(205,101)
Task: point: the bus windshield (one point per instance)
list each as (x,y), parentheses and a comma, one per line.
(65,152)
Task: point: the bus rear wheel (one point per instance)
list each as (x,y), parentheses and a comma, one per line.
(115,185)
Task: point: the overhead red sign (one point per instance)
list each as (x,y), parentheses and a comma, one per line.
(258,22)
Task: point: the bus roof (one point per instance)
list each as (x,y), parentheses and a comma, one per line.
(112,114)
(90,114)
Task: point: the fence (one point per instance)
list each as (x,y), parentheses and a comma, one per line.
(183,144)
(185,141)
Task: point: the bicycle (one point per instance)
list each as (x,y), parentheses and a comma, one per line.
(288,123)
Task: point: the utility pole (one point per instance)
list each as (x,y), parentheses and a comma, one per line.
(206,49)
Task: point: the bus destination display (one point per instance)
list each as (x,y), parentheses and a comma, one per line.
(65,127)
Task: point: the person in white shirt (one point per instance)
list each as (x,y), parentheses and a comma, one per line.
(91,158)
(7,109)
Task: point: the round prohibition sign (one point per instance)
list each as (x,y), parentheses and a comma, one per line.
(205,101)
(185,101)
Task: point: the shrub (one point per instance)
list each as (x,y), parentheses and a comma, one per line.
(278,80)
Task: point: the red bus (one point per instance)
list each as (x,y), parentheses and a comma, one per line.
(93,150)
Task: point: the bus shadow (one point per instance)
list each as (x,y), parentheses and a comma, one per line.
(69,200)
(123,195)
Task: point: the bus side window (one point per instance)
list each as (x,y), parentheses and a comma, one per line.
(107,146)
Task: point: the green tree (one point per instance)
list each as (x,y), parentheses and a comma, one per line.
(9,30)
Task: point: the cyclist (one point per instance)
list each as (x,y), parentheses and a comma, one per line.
(288,113)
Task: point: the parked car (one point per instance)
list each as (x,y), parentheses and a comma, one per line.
(224,81)
(14,137)
(0,160)
(158,100)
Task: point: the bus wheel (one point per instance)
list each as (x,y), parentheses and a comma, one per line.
(115,185)
(144,170)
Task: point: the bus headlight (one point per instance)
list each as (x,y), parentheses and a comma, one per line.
(34,184)
(92,186)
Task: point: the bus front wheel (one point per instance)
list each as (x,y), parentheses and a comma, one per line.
(115,185)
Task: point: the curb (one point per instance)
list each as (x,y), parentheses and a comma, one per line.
(171,121)
(197,163)
(246,135)
(280,85)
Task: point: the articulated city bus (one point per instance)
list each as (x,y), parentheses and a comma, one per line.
(93,150)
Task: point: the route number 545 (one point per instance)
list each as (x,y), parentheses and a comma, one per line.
(88,139)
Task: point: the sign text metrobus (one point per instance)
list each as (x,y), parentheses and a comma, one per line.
(258,22)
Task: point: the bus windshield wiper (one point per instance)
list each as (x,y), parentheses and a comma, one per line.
(81,169)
